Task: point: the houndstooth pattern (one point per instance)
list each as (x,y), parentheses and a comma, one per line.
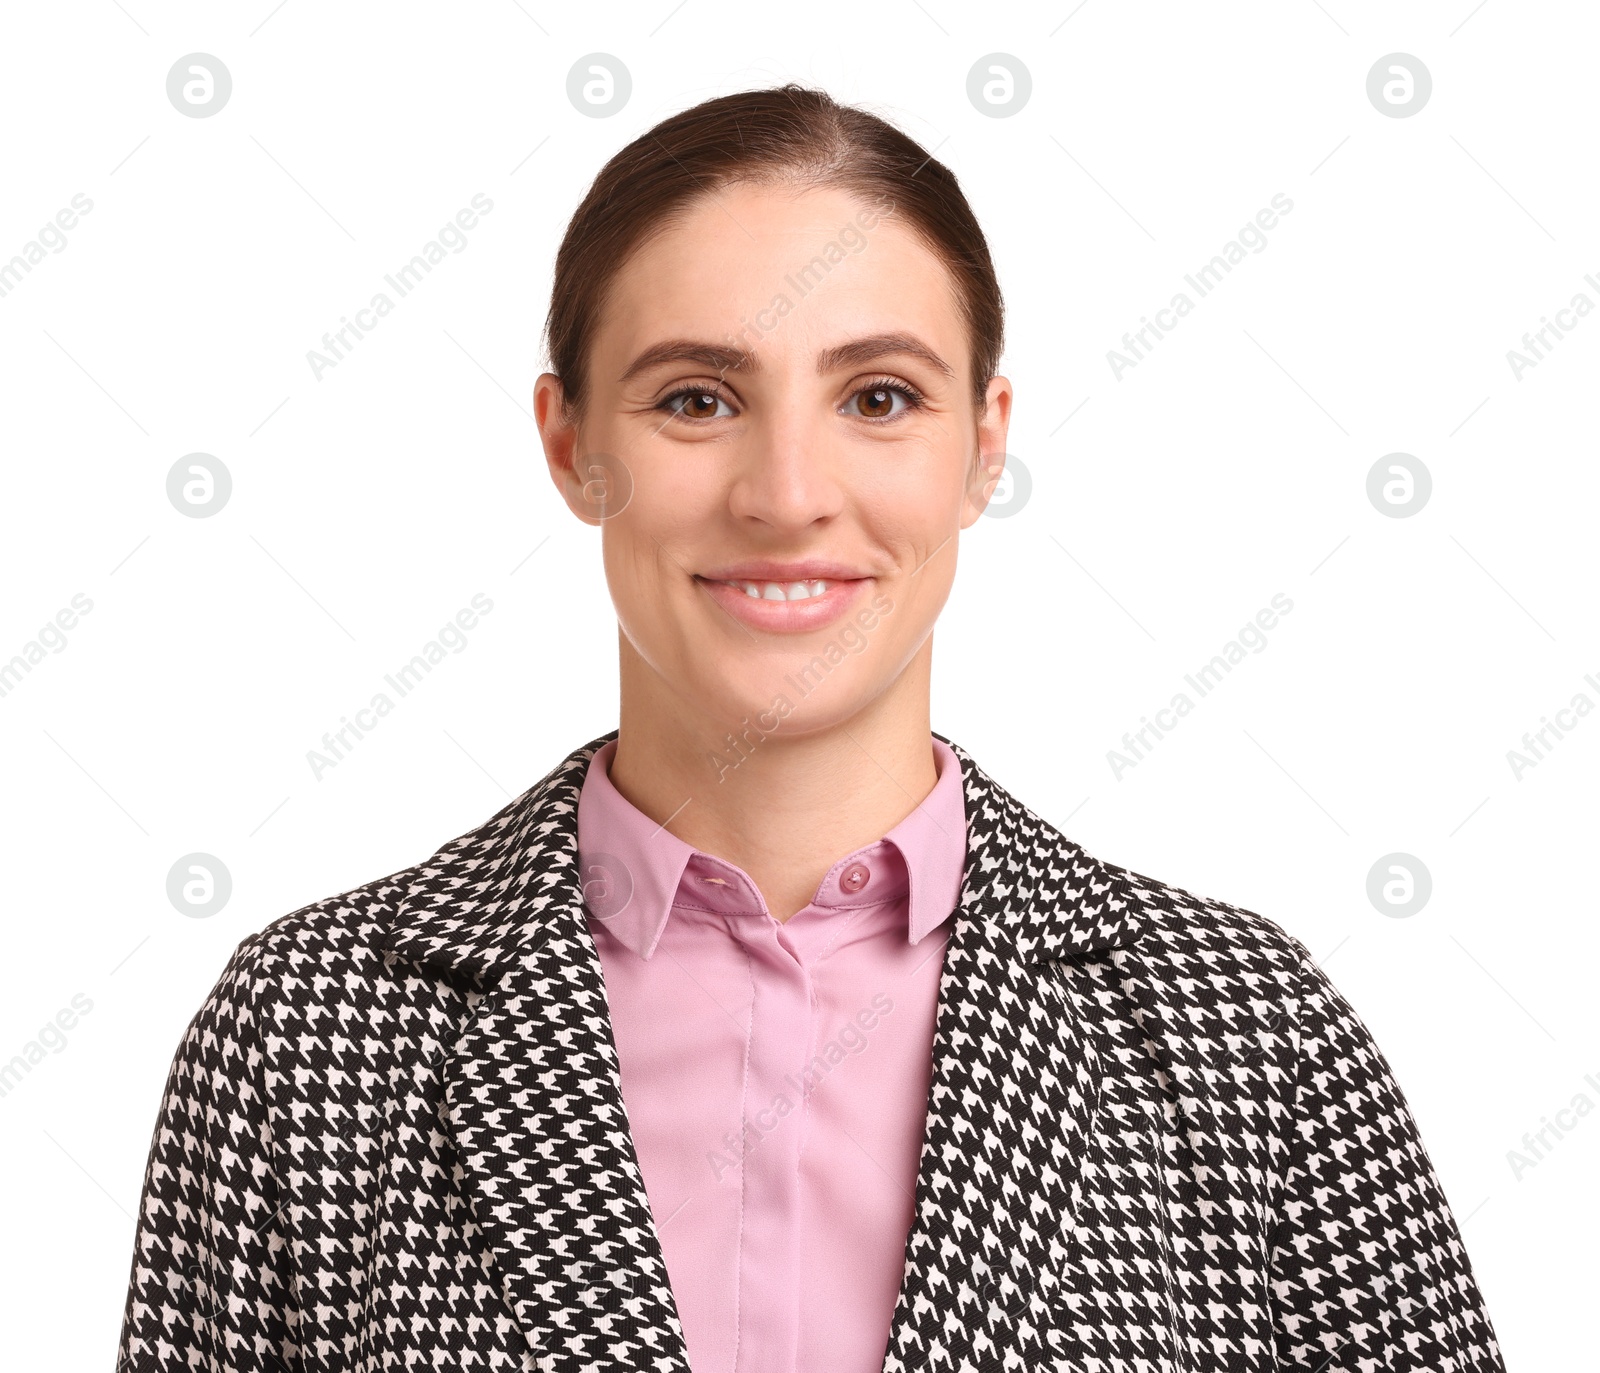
(1158,1139)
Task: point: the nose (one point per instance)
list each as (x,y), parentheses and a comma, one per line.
(786,476)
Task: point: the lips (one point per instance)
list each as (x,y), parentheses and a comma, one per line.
(792,598)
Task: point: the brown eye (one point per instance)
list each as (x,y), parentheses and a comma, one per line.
(876,402)
(697,405)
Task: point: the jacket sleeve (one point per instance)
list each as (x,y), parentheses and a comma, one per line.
(1368,1269)
(210,1281)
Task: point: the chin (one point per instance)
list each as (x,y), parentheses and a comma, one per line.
(746,707)
(744,691)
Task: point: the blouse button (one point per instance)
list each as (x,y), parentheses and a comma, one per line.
(855,877)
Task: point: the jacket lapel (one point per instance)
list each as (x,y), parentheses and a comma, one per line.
(1015,1091)
(533,1096)
(533,1099)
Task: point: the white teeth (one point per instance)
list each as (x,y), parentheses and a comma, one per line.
(782,591)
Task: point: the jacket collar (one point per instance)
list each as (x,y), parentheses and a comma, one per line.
(533,1103)
(486,899)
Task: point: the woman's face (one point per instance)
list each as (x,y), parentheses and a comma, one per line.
(780,444)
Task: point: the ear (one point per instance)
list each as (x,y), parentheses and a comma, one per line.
(558,432)
(990,457)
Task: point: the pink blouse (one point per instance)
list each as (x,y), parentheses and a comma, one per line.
(775,1073)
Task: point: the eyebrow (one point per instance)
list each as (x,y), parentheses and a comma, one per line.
(860,350)
(721,358)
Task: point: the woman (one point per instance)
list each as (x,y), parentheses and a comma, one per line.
(768,1032)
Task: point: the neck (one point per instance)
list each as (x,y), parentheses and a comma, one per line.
(785,807)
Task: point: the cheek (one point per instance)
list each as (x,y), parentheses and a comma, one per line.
(916,482)
(913,517)
(678,489)
(633,562)
(919,600)
(651,551)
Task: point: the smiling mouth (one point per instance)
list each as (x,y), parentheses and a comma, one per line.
(790,606)
(778,591)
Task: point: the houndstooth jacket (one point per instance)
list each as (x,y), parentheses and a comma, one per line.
(1157,1139)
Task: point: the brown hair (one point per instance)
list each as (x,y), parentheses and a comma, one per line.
(786,133)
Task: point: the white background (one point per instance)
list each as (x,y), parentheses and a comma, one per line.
(1167,507)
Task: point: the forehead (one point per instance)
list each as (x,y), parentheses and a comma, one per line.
(784,273)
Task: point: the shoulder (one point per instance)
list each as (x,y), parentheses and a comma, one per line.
(339,933)
(314,1003)
(1195,932)
(1228,984)
(1058,902)
(328,956)
(427,933)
